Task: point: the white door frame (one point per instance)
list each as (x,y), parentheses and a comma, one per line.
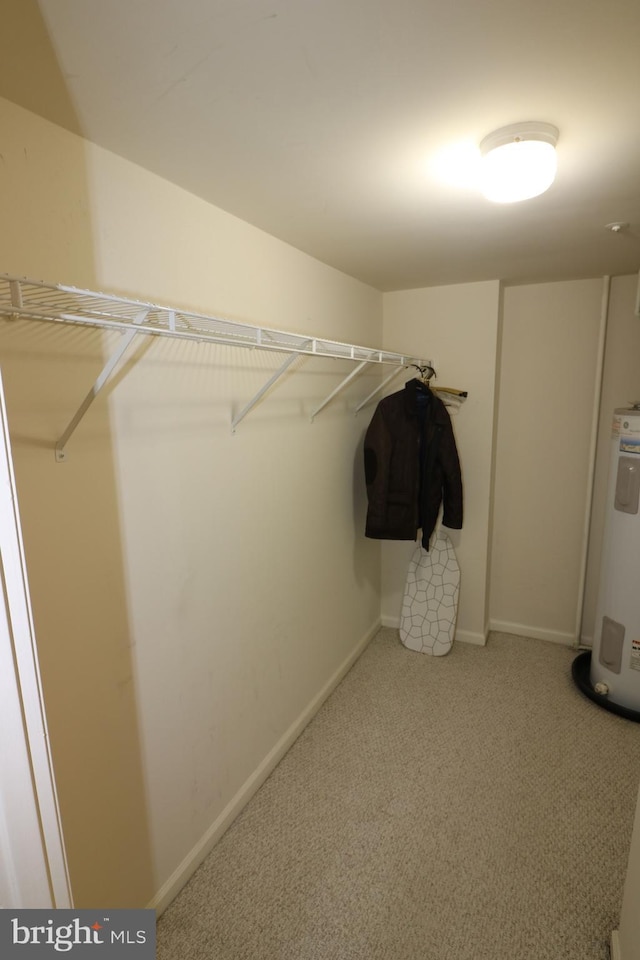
(33,865)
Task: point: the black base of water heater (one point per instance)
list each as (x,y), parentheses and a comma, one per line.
(581,673)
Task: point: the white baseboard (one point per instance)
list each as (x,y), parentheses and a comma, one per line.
(465,636)
(616,953)
(500,626)
(537,633)
(185,870)
(392,622)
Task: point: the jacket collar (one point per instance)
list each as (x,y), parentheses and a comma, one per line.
(415,388)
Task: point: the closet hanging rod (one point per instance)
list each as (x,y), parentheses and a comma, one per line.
(56,303)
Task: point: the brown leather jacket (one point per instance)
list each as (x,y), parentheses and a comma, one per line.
(411,466)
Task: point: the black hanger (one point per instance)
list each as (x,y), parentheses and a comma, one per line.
(426,374)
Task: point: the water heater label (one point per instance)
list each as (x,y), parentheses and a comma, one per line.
(635,655)
(630,434)
(615,427)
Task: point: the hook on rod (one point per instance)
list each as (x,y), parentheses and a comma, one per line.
(426,373)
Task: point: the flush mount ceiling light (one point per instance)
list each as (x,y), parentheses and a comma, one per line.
(518,161)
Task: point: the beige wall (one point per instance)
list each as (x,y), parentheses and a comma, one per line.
(548,343)
(456,326)
(549,370)
(195,592)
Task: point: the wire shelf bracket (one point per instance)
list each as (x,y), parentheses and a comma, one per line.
(107,370)
(56,303)
(270,382)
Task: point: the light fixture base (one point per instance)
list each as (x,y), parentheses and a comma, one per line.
(516,132)
(518,161)
(617,226)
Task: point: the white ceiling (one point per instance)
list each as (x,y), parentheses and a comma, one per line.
(336,124)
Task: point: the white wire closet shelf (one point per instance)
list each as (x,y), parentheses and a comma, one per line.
(57,303)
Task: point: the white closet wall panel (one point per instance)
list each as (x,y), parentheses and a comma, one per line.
(549,372)
(196,593)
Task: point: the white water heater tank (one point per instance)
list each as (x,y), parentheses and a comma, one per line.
(615,658)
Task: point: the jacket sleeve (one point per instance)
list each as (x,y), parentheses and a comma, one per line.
(377,458)
(452,497)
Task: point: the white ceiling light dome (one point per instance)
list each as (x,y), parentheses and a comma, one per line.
(518,161)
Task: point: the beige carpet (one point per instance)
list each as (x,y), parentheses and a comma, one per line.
(461,808)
